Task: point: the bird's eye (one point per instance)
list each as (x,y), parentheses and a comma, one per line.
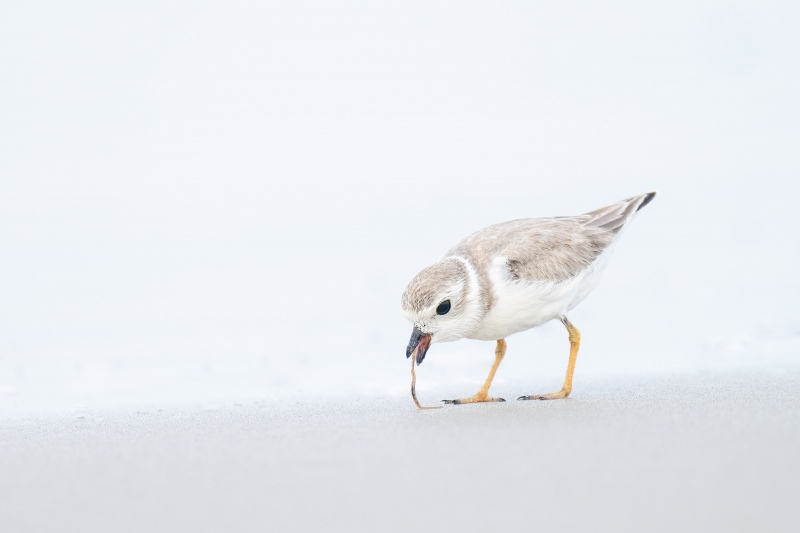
(443,308)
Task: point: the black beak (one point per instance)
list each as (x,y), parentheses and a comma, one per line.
(418,345)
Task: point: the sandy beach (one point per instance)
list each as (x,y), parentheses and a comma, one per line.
(209,212)
(707,452)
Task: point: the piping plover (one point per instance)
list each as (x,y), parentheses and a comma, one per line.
(512,277)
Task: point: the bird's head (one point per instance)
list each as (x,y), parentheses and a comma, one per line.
(442,303)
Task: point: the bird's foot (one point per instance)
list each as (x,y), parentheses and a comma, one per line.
(477,398)
(563,393)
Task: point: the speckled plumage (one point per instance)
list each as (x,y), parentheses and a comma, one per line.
(424,288)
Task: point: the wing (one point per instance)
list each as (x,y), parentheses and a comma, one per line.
(614,217)
(537,249)
(550,249)
(555,250)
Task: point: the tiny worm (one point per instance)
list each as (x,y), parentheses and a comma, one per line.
(414,385)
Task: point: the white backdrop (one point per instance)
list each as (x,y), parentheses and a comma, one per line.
(224,202)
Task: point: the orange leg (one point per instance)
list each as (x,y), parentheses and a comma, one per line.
(574,344)
(483,394)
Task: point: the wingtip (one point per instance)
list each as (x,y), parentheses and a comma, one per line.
(648,197)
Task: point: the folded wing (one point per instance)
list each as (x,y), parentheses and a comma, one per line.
(550,249)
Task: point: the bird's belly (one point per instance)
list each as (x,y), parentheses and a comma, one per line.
(522,305)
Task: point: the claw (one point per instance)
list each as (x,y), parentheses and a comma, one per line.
(533,398)
(470,400)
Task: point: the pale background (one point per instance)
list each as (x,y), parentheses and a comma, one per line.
(205,203)
(209,211)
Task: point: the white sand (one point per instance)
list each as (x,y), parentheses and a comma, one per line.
(709,452)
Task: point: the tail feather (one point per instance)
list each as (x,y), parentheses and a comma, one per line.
(614,217)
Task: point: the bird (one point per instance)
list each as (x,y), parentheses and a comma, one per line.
(511,277)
